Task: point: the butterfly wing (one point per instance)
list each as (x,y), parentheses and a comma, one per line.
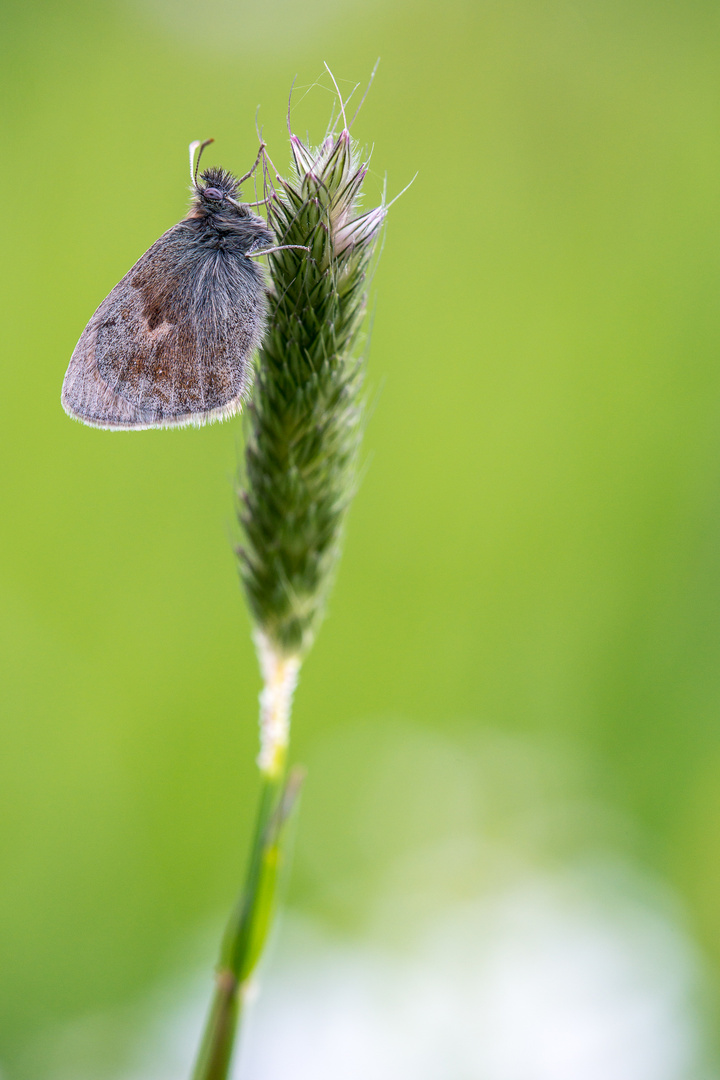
(172,344)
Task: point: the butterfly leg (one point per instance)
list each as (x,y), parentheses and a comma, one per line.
(257,162)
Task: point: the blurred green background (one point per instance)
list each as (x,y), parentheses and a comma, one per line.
(532,561)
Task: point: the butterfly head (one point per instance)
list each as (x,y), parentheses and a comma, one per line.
(217,187)
(216,191)
(216,204)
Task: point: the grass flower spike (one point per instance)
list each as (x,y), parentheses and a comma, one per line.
(306,411)
(305,423)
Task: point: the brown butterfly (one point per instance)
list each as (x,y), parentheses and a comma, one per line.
(173,342)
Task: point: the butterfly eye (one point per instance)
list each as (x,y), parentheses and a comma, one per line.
(213,193)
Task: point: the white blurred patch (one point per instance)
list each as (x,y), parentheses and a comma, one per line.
(542,982)
(553,979)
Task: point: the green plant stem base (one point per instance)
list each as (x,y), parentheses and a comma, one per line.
(249,925)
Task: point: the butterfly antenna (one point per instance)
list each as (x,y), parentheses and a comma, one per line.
(196,147)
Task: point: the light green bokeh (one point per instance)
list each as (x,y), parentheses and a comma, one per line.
(535,546)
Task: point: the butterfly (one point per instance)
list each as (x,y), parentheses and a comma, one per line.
(173,342)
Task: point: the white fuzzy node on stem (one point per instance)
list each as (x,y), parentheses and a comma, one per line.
(280,676)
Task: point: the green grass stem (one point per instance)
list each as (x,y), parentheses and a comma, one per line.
(249,925)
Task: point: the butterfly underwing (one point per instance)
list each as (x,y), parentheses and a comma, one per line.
(173,342)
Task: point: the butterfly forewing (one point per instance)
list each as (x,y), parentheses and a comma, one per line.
(172,343)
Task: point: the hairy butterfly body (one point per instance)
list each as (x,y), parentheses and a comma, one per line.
(173,342)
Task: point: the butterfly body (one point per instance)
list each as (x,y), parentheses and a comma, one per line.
(172,344)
